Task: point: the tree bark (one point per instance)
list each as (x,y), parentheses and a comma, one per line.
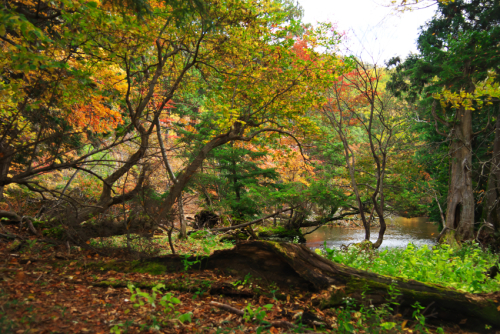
(191,169)
(460,207)
(293,264)
(6,153)
(493,190)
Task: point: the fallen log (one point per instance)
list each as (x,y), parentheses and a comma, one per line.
(296,265)
(11,216)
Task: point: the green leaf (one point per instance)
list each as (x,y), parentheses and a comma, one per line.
(388,325)
(186,317)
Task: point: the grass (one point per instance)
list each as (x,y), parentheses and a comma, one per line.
(461,268)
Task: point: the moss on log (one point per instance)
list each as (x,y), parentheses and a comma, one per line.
(293,264)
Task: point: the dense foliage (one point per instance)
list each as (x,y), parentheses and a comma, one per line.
(464,269)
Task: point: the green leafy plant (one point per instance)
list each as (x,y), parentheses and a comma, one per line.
(205,286)
(344,317)
(420,318)
(463,269)
(121,328)
(273,288)
(187,263)
(382,319)
(257,315)
(163,309)
(246,280)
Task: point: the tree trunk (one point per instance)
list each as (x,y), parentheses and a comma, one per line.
(292,264)
(182,221)
(109,228)
(460,206)
(6,153)
(192,168)
(493,190)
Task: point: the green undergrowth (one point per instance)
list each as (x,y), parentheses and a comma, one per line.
(385,318)
(197,242)
(153,268)
(464,268)
(160,308)
(199,287)
(186,285)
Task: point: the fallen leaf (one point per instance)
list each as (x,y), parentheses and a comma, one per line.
(20,276)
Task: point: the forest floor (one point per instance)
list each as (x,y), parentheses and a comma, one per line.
(43,289)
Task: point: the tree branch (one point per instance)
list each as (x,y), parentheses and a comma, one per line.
(222,229)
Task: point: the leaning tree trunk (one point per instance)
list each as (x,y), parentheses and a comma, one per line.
(460,202)
(296,265)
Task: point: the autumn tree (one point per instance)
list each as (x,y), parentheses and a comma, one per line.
(238,52)
(263,89)
(358,103)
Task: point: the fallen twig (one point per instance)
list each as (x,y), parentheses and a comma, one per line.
(8,236)
(228,308)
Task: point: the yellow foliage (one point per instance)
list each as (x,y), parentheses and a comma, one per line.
(483,94)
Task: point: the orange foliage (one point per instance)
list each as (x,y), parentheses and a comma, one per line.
(95,116)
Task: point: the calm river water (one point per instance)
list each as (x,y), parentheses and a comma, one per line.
(399,233)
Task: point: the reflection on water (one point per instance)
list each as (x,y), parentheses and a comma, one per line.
(399,233)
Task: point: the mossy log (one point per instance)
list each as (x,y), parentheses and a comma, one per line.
(294,264)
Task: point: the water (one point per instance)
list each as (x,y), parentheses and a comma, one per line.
(400,231)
